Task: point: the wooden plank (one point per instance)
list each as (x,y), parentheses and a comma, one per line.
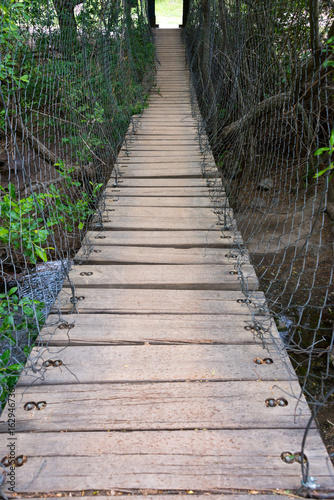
(169,212)
(173,160)
(151,495)
(195,460)
(161,201)
(109,329)
(113,221)
(158,255)
(159,151)
(184,183)
(163,277)
(169,239)
(177,191)
(165,217)
(170,132)
(162,172)
(154,406)
(181,120)
(155,496)
(153,302)
(133,140)
(139,363)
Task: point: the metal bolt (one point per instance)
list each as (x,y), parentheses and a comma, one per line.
(20,460)
(258,361)
(29,406)
(271,402)
(288,457)
(6,462)
(41,405)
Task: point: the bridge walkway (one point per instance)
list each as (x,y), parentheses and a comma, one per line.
(160,386)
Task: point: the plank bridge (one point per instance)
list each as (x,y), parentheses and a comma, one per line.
(159,385)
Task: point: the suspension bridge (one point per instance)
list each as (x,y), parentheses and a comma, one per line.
(160,385)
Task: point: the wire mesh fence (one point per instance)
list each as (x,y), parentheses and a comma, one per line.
(72,74)
(263,77)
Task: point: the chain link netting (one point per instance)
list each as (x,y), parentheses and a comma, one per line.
(72,75)
(262,74)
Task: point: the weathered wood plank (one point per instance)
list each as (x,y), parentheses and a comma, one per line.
(163,218)
(139,363)
(159,141)
(167,277)
(154,406)
(195,460)
(184,183)
(159,150)
(161,201)
(177,239)
(154,301)
(158,255)
(164,171)
(158,223)
(177,191)
(167,212)
(151,495)
(172,158)
(109,329)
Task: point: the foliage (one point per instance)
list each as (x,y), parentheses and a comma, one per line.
(18,316)
(23,225)
(12,39)
(77,210)
(24,221)
(330,151)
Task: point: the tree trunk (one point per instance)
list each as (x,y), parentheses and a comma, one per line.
(315,42)
(67,25)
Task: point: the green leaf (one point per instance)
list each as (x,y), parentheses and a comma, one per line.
(15,367)
(81,225)
(331,140)
(41,253)
(28,311)
(320,151)
(11,189)
(318,174)
(3,232)
(12,291)
(4,357)
(25,78)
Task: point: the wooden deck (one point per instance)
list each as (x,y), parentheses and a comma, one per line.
(158,391)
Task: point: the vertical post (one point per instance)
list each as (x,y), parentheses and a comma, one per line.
(151,13)
(185,12)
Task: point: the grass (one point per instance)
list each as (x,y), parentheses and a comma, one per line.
(168,13)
